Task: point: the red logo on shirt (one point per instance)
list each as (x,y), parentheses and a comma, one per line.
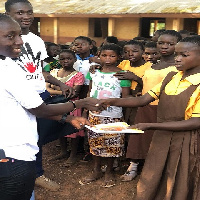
(30,67)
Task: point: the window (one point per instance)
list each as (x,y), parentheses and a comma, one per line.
(149,25)
(98,27)
(156,25)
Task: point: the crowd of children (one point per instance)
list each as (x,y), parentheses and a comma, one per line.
(137,73)
(153,85)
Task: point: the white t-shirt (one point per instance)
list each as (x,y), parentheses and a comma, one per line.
(18,130)
(33,52)
(104,86)
(83,66)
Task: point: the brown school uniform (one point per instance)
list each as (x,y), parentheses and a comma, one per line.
(138,144)
(129,114)
(171,169)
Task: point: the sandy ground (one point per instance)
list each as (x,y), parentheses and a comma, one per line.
(69,177)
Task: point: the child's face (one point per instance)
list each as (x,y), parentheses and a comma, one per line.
(108,57)
(22,13)
(81,46)
(10,39)
(132,52)
(187,56)
(151,55)
(66,59)
(166,44)
(52,51)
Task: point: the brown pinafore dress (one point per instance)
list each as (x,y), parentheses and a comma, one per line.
(171,169)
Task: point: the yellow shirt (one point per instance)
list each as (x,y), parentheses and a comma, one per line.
(139,71)
(176,86)
(152,77)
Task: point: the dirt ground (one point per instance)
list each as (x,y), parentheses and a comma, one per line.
(69,180)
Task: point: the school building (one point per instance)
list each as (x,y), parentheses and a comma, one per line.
(60,21)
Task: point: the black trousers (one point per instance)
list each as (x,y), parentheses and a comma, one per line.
(17,179)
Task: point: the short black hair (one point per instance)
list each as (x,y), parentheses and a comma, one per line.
(9,3)
(68,51)
(50,44)
(192,39)
(159,31)
(141,39)
(114,47)
(122,43)
(172,33)
(112,39)
(135,42)
(4,17)
(184,32)
(84,38)
(150,45)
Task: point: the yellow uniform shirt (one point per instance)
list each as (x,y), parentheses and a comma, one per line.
(139,71)
(152,77)
(176,86)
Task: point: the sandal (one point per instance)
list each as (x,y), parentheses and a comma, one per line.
(88,180)
(108,184)
(128,176)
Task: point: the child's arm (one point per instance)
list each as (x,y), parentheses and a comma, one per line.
(85,111)
(129,76)
(128,102)
(184,125)
(90,87)
(66,90)
(126,92)
(52,91)
(77,89)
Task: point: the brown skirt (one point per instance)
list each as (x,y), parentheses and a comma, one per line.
(171,169)
(138,144)
(129,115)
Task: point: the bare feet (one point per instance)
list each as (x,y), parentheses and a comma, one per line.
(109,180)
(59,156)
(93,177)
(70,161)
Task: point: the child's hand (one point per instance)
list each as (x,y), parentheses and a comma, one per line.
(104,103)
(125,75)
(94,59)
(93,67)
(69,92)
(141,126)
(90,104)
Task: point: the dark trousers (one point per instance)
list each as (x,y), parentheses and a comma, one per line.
(49,130)
(17,180)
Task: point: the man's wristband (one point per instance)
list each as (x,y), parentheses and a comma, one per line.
(73,105)
(63,119)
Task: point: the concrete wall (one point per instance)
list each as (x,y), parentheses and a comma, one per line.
(46,29)
(68,28)
(126,28)
(62,30)
(174,24)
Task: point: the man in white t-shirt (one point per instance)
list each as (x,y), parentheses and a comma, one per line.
(32,55)
(19,104)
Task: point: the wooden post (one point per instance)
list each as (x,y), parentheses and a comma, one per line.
(55,30)
(111,26)
(177,24)
(198,27)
